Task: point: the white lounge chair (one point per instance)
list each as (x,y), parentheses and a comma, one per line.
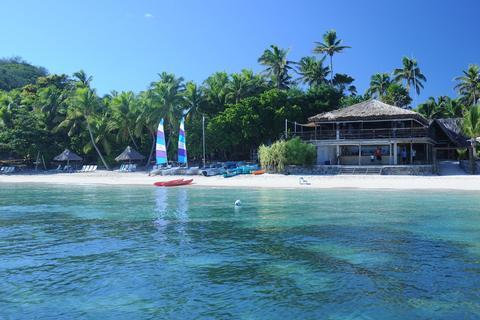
(94,168)
(303,181)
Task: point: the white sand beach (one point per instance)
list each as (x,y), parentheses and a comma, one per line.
(463,182)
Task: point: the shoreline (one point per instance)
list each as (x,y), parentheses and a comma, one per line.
(276,181)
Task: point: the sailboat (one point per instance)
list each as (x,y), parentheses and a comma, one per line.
(182,152)
(160,151)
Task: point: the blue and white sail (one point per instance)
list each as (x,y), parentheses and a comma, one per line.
(182,148)
(161,150)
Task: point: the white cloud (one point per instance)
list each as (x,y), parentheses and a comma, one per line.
(148,15)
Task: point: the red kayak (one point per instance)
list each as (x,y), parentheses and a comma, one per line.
(162,183)
(178,183)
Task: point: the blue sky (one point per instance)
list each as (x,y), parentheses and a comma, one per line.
(124,44)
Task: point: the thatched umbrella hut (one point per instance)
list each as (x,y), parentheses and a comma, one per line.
(129,154)
(68,156)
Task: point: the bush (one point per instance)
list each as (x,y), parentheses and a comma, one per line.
(281,153)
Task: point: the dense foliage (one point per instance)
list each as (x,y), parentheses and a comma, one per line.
(290,152)
(42,113)
(16,73)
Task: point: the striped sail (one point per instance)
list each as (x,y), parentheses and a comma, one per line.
(182,149)
(160,150)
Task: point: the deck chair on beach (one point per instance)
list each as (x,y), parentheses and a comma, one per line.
(303,181)
(94,168)
(122,168)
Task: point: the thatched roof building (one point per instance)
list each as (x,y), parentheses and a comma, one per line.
(68,155)
(368,110)
(129,154)
(452,127)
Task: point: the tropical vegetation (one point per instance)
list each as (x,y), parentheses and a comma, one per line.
(286,152)
(45,113)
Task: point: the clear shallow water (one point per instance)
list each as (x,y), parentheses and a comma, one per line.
(96,252)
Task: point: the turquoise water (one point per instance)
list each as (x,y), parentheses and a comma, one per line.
(97,252)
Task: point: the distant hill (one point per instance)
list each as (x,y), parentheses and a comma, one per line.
(16,72)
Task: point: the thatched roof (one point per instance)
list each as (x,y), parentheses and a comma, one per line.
(368,110)
(452,127)
(68,155)
(129,154)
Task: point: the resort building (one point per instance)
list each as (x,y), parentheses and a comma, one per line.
(373,133)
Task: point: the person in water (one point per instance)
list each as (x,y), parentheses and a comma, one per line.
(403,154)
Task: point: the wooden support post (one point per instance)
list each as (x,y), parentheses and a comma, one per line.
(338,154)
(390,155)
(359,154)
(411,156)
(395,153)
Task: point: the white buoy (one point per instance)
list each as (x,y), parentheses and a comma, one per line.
(238,203)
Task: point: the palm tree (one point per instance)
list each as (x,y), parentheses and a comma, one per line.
(82,113)
(442,107)
(330,46)
(344,82)
(431,109)
(124,114)
(453,108)
(411,74)
(277,66)
(193,98)
(312,71)
(82,79)
(471,128)
(469,85)
(215,89)
(379,83)
(164,99)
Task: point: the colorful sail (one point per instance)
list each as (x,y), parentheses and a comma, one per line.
(182,149)
(161,150)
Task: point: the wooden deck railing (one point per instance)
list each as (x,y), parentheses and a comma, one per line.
(354,134)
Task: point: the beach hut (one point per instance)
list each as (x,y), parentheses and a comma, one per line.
(68,156)
(129,154)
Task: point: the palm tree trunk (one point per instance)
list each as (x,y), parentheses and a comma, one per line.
(331,69)
(95,146)
(131,138)
(471,159)
(152,149)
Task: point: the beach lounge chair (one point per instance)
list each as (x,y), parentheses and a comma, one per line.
(303,181)
(122,168)
(8,170)
(94,168)
(83,169)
